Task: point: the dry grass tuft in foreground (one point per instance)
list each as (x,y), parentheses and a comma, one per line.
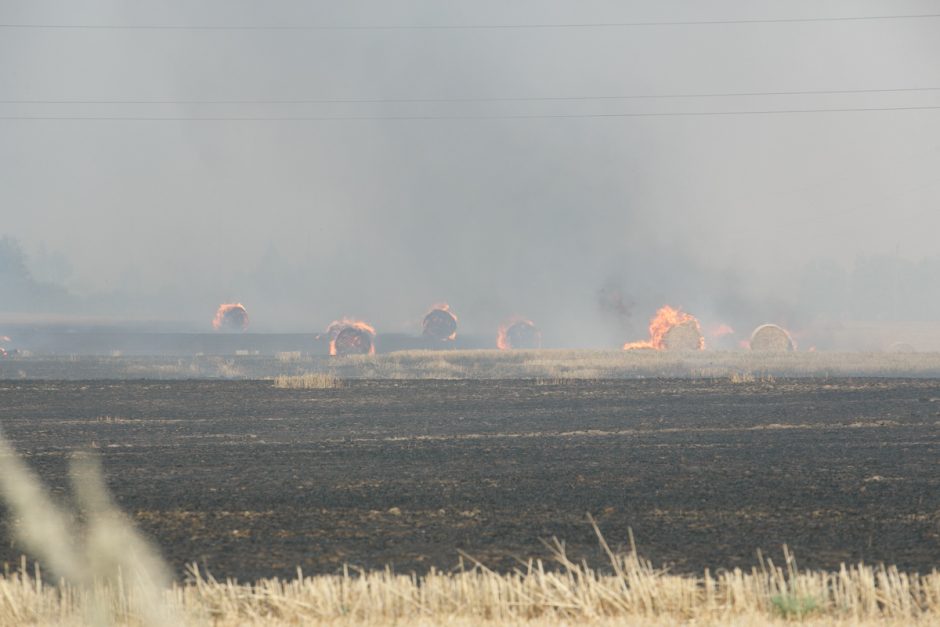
(106,568)
(308,381)
(631,591)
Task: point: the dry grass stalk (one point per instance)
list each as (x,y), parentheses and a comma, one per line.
(593,364)
(227,369)
(630,591)
(492,364)
(750,377)
(308,381)
(108,572)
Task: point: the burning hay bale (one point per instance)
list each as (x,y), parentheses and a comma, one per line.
(771,338)
(351,337)
(440,324)
(519,334)
(231,317)
(685,336)
(672,329)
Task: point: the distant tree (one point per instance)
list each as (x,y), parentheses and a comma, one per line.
(13,266)
(19,290)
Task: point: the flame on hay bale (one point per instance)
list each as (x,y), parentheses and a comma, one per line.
(351,337)
(440,324)
(518,334)
(230,317)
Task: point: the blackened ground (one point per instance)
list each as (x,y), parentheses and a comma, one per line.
(254,481)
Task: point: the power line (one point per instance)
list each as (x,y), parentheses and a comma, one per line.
(819,92)
(514,26)
(548,116)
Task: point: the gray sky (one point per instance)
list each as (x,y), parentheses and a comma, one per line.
(306,221)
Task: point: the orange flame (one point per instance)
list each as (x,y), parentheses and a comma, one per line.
(232,315)
(515,326)
(664,320)
(429,320)
(721,330)
(352,335)
(442,307)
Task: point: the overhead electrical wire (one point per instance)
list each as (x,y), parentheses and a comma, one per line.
(510,26)
(546,116)
(301,101)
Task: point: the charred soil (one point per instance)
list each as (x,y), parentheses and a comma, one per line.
(252,481)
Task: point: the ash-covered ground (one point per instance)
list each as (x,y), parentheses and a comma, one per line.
(252,481)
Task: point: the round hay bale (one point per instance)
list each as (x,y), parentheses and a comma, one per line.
(440,325)
(685,336)
(902,347)
(231,317)
(771,338)
(352,341)
(520,335)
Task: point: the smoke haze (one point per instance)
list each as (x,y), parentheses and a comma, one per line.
(584,224)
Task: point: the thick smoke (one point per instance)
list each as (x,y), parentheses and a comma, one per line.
(586,225)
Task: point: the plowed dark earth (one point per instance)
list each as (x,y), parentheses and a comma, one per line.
(254,481)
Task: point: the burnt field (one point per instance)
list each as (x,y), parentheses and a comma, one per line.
(252,481)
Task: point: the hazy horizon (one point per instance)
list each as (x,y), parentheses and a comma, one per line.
(584,224)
